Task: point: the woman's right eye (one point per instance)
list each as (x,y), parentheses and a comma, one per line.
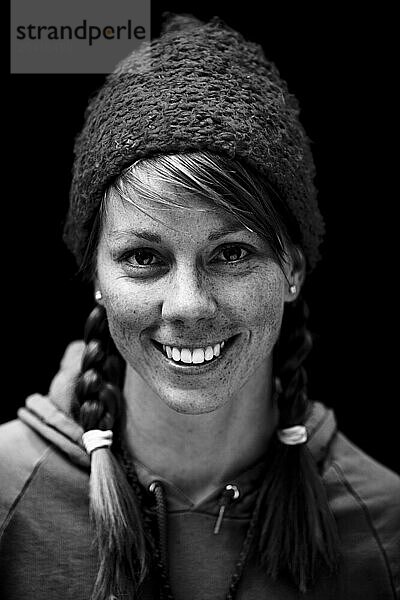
(141,257)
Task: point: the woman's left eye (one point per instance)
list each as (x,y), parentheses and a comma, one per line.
(232,253)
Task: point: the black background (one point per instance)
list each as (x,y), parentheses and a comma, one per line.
(333,61)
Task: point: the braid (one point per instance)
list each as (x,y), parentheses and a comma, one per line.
(98,401)
(295,344)
(297,534)
(114,509)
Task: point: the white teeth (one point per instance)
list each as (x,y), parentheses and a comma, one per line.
(186,356)
(176,355)
(197,356)
(209,353)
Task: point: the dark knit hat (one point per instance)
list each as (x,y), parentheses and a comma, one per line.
(199,86)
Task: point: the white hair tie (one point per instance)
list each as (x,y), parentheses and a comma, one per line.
(97,438)
(293,435)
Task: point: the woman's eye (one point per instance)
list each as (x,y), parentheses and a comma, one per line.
(142,257)
(233,253)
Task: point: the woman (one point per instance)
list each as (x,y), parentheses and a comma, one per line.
(212,475)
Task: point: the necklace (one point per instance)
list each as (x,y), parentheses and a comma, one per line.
(160,550)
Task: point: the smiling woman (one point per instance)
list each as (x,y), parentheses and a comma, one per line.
(179,434)
(205,281)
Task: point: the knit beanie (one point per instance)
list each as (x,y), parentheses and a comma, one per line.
(199,86)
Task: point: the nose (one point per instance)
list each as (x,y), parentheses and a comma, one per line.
(189,296)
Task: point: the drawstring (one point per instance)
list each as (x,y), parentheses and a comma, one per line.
(161,553)
(230,493)
(159,556)
(157,489)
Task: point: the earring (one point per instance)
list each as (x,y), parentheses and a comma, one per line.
(293,289)
(98,295)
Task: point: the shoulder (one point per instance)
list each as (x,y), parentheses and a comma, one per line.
(365,479)
(21,452)
(38,477)
(20,447)
(365,499)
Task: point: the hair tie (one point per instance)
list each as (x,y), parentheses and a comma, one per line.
(292,435)
(97,438)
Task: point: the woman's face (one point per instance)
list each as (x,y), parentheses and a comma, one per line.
(194,302)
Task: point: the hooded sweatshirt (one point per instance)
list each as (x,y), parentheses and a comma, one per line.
(47,550)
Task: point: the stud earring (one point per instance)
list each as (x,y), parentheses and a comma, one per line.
(293,289)
(98,295)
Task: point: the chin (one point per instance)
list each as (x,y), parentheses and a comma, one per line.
(189,404)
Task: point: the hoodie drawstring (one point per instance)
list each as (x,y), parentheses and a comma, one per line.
(157,489)
(230,493)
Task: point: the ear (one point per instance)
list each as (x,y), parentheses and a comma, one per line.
(295,275)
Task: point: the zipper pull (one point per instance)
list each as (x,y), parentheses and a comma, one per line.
(230,493)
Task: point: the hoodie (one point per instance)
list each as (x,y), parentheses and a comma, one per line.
(47,550)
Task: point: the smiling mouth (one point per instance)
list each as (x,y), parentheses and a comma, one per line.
(195,357)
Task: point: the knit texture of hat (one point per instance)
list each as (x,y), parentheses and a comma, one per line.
(199,86)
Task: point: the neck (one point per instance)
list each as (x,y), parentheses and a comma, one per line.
(199,452)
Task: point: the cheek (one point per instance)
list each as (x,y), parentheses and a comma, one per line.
(129,313)
(271,310)
(264,311)
(262,301)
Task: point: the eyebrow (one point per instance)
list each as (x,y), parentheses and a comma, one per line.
(155,238)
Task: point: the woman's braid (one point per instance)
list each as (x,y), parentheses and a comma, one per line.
(294,345)
(114,507)
(98,401)
(297,533)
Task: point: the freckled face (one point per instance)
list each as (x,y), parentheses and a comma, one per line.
(190,282)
